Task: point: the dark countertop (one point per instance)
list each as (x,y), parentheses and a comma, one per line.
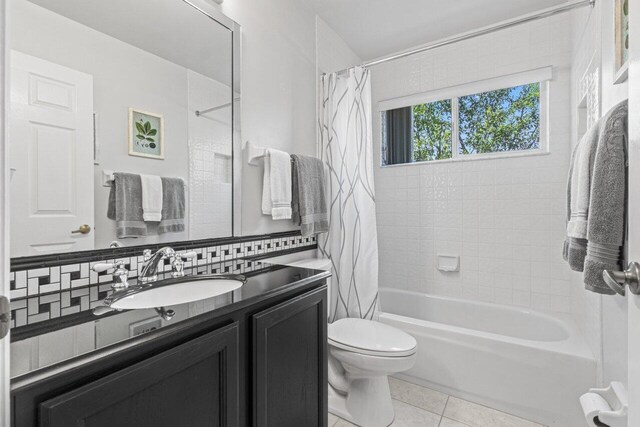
(47,343)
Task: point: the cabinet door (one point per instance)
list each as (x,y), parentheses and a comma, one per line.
(193,384)
(290,363)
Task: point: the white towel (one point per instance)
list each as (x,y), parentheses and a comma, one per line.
(151,197)
(581,172)
(276,185)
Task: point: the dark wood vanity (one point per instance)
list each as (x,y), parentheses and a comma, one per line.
(259,360)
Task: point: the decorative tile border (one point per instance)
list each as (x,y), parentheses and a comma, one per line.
(40,308)
(68,276)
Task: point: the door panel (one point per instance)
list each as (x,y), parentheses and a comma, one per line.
(194,384)
(50,130)
(290,363)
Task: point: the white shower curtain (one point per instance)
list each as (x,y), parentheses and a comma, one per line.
(346,148)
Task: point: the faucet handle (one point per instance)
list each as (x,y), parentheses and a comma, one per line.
(120,272)
(177,262)
(146,255)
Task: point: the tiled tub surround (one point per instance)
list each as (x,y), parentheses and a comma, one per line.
(504,217)
(42,293)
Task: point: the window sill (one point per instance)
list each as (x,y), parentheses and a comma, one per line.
(474,157)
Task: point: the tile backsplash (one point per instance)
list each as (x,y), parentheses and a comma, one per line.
(71,276)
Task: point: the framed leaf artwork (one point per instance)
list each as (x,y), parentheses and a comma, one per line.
(621,41)
(146,134)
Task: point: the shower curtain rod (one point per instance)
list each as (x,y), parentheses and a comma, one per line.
(545,13)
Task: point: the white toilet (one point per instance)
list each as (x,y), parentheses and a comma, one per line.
(362,354)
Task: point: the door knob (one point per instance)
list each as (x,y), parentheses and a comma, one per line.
(84,229)
(617,280)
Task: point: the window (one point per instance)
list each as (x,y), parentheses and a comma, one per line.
(464,123)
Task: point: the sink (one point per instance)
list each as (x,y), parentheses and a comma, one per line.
(174,291)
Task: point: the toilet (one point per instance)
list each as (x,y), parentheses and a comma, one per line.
(362,354)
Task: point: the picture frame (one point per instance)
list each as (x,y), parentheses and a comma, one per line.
(621,35)
(146,134)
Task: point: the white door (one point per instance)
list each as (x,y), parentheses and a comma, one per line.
(50,156)
(634,213)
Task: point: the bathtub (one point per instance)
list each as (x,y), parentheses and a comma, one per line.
(523,362)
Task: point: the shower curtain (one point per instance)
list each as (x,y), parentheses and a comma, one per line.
(346,149)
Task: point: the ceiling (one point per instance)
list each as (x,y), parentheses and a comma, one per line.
(171,30)
(375,28)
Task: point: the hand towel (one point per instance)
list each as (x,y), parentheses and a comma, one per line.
(151,197)
(125,205)
(276,185)
(173,206)
(309,206)
(607,205)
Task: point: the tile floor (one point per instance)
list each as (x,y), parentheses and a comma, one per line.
(422,407)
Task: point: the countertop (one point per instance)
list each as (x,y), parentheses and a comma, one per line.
(57,340)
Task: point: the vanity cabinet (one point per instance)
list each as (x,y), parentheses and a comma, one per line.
(195,381)
(262,363)
(289,358)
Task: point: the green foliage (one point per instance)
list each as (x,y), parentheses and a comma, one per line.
(500,120)
(432,131)
(145,132)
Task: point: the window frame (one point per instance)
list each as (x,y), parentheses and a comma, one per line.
(542,76)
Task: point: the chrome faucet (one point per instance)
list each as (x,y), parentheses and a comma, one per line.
(149,271)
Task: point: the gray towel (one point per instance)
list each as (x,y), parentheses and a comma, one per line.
(125,205)
(606,228)
(173,206)
(599,247)
(309,207)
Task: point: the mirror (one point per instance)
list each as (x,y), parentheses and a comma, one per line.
(122,123)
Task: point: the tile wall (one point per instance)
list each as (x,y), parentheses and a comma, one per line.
(504,217)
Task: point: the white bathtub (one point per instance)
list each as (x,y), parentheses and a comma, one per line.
(523,362)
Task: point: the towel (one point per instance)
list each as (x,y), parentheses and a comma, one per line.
(151,197)
(276,185)
(578,194)
(125,205)
(309,206)
(596,200)
(173,206)
(607,209)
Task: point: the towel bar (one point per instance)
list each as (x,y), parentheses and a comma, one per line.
(255,153)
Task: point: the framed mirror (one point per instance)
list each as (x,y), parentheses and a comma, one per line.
(124,125)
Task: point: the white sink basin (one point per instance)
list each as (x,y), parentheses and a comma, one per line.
(177,293)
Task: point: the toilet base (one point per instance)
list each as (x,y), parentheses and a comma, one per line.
(367,404)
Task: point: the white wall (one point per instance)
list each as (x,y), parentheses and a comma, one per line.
(332,53)
(278,90)
(504,217)
(603,319)
(210,183)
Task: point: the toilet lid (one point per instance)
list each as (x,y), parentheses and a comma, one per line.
(370,337)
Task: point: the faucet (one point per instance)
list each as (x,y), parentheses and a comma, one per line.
(149,271)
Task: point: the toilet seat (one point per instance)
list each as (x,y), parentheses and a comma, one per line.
(371,338)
